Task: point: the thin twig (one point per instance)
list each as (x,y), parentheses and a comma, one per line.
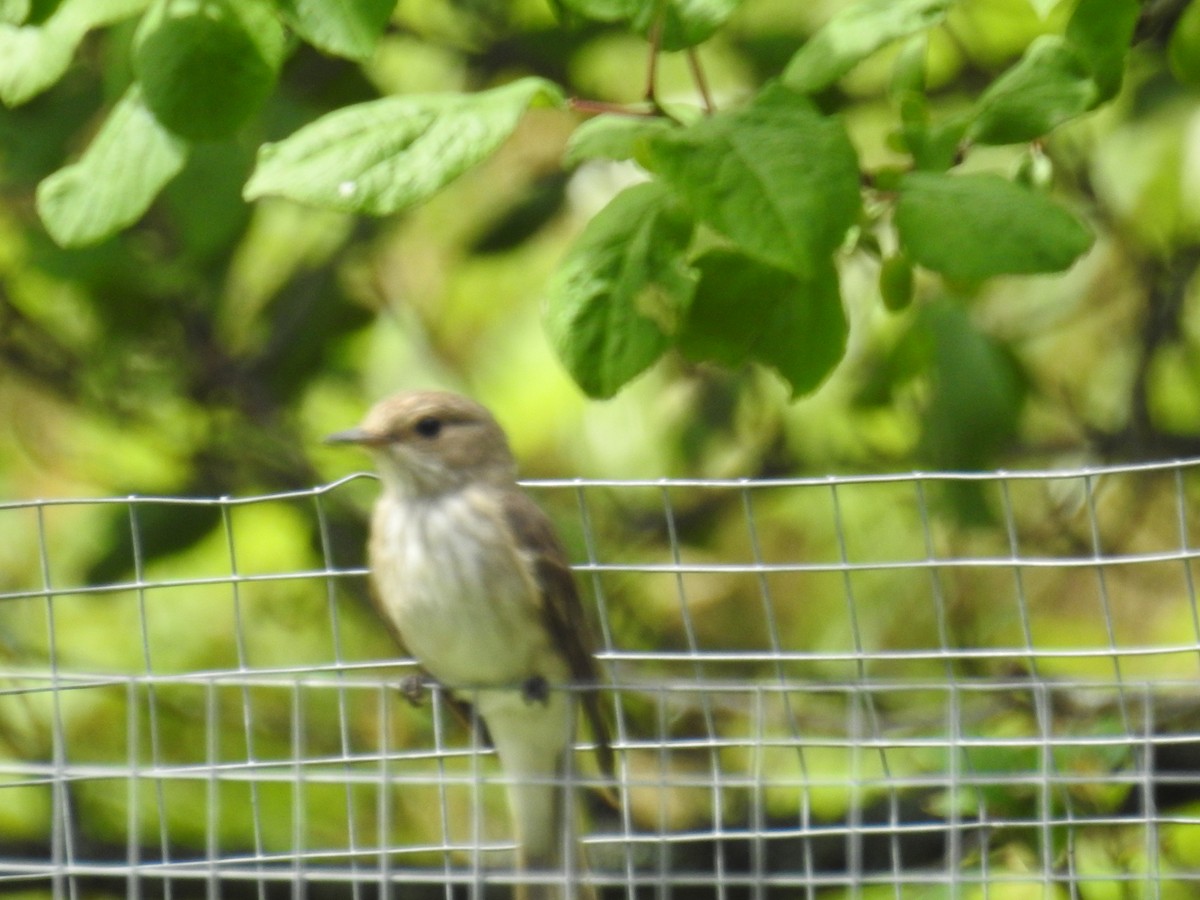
(596,107)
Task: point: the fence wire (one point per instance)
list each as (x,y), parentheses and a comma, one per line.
(927,684)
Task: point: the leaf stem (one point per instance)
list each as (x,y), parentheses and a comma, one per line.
(701,82)
(651,92)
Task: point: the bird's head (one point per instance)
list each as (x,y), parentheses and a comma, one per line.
(430,442)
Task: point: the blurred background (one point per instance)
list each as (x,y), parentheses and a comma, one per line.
(210,348)
(206,351)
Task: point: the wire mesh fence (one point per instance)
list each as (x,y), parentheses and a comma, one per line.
(902,685)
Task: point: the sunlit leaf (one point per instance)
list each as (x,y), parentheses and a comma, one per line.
(683,23)
(1101,31)
(677,23)
(619,294)
(14,12)
(614,137)
(344,29)
(778,178)
(977,226)
(745,311)
(101,193)
(1049,85)
(853,35)
(34,57)
(384,155)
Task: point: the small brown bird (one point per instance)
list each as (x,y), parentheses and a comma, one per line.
(469,572)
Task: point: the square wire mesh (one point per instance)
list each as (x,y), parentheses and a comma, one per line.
(844,686)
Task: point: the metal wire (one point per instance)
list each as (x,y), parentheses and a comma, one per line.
(844,685)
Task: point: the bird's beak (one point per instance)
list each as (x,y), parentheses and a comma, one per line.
(355,436)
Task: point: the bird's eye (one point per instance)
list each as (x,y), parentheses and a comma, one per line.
(429,426)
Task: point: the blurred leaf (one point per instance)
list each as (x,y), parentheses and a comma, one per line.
(745,311)
(1049,85)
(1183,51)
(1000,761)
(616,137)
(976,226)
(344,29)
(34,57)
(619,294)
(777,178)
(205,198)
(908,72)
(206,66)
(601,10)
(853,35)
(93,198)
(977,389)
(684,23)
(384,155)
(1101,32)
(935,146)
(14,12)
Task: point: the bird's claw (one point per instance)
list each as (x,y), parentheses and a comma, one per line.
(413,689)
(536,690)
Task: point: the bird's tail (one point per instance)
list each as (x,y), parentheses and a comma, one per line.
(536,763)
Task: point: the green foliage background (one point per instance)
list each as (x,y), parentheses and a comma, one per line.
(226,226)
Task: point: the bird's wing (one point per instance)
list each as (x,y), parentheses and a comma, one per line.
(562,613)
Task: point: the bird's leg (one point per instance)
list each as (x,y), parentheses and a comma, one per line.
(535,689)
(413,689)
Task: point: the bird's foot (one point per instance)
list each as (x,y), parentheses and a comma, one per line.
(536,690)
(413,689)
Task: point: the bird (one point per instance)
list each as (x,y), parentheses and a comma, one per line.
(476,586)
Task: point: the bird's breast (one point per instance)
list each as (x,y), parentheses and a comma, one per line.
(459,592)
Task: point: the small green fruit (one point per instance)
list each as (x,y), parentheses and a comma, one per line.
(896,282)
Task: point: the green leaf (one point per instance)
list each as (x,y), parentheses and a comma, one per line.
(777,178)
(343,29)
(978,392)
(972,227)
(1049,85)
(14,12)
(938,148)
(601,10)
(908,72)
(684,23)
(681,23)
(32,58)
(101,193)
(206,66)
(1183,51)
(610,136)
(853,35)
(617,297)
(35,57)
(1101,32)
(746,311)
(384,155)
